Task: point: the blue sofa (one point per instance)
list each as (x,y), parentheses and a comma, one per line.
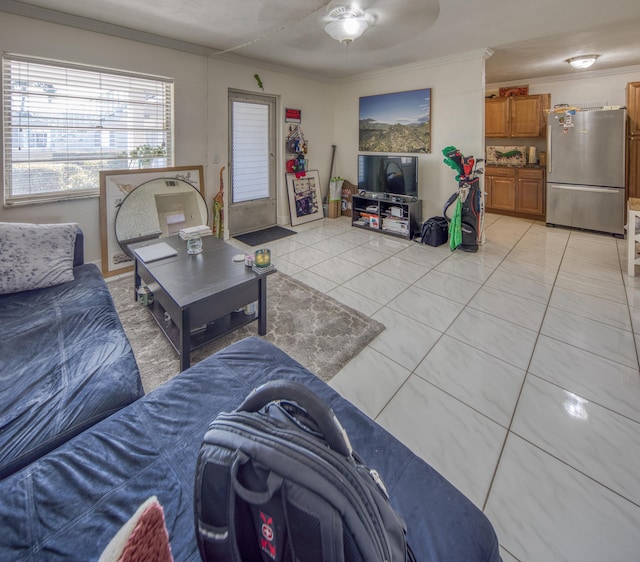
(65,364)
(68,504)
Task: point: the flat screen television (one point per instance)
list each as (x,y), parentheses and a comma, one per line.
(395,175)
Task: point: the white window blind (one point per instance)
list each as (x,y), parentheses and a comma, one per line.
(63,123)
(250,163)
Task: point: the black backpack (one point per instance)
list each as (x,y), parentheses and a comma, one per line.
(278,481)
(435,231)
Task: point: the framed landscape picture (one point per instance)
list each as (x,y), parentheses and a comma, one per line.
(115,185)
(399,122)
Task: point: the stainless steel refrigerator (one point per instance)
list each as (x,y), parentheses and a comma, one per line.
(586,170)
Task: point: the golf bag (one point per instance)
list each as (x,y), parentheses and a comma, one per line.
(470,214)
(278,481)
(465,225)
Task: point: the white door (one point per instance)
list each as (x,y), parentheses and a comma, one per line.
(252,205)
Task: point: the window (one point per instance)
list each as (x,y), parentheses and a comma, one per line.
(63,123)
(250,141)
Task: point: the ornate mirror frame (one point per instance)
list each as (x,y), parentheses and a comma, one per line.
(115,185)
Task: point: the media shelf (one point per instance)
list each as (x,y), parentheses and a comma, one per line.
(389,214)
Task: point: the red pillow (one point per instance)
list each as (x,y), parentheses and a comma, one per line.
(144,538)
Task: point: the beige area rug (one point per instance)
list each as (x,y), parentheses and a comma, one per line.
(316,330)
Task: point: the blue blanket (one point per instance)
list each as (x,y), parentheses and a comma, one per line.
(65,364)
(69,504)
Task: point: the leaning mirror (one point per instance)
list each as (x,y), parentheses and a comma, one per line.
(157,208)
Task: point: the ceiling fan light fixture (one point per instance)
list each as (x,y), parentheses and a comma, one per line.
(583,61)
(346,24)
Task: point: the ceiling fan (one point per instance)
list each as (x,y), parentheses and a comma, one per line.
(395,21)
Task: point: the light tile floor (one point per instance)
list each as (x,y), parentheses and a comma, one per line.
(513,371)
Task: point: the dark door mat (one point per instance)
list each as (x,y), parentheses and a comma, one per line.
(260,237)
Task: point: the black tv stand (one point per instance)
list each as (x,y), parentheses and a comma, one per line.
(395,197)
(388,213)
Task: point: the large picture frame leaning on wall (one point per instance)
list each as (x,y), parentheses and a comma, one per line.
(305,200)
(115,185)
(398,122)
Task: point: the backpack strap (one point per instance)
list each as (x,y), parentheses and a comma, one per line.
(274,482)
(318,410)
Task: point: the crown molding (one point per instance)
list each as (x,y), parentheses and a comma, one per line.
(585,74)
(54,16)
(419,66)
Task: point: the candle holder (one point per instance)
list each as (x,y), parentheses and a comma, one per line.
(263,258)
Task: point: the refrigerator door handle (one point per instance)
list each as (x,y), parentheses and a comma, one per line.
(610,190)
(549,151)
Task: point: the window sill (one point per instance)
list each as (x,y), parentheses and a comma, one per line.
(53,198)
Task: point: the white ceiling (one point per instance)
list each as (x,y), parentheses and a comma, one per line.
(529,39)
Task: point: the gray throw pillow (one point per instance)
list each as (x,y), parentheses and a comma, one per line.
(34,256)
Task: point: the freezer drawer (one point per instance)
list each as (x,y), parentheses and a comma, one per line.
(588,207)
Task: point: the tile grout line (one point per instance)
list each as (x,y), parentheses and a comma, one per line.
(626,297)
(524,380)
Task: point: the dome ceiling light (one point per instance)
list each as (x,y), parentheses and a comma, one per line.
(346,24)
(583,61)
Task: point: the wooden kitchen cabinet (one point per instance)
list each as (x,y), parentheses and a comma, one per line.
(500,185)
(633,177)
(515,191)
(517,116)
(633,140)
(530,191)
(496,117)
(633,107)
(528,119)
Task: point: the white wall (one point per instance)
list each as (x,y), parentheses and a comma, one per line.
(329,112)
(457,118)
(201,86)
(313,98)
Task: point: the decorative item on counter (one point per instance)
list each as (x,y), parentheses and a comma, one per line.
(507,155)
(543,158)
(263,258)
(249,260)
(194,244)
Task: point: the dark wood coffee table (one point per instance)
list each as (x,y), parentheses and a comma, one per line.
(195,297)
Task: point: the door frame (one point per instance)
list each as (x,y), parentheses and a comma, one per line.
(248,216)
